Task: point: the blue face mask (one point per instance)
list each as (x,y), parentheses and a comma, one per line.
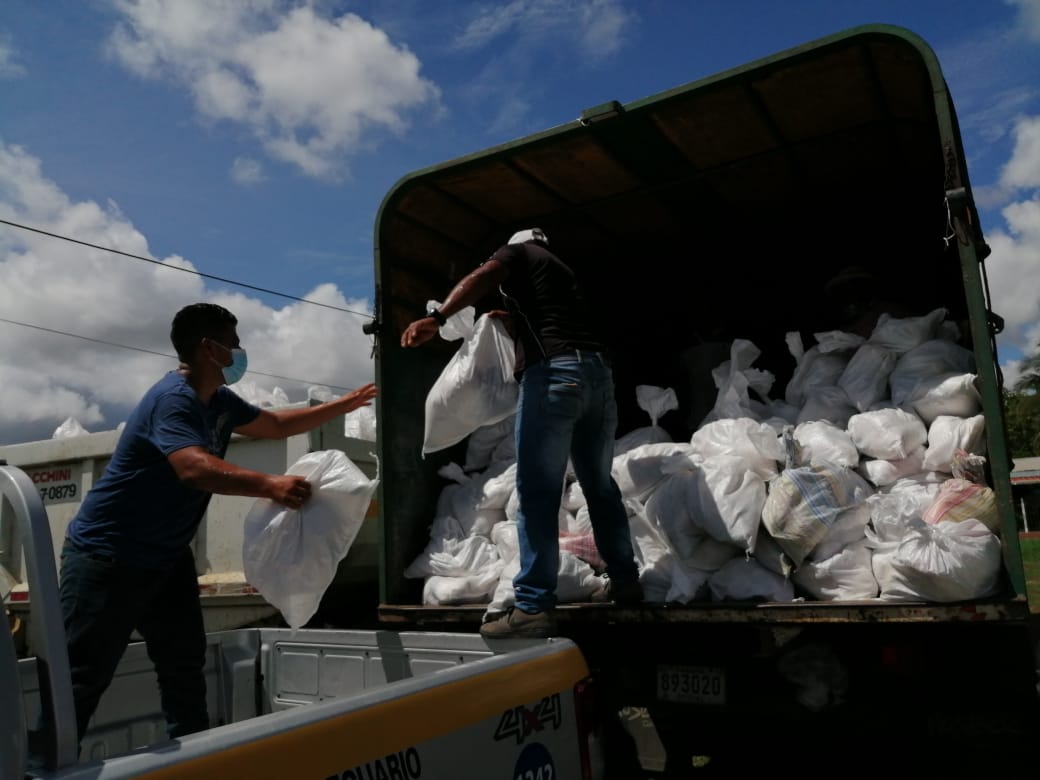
(237,369)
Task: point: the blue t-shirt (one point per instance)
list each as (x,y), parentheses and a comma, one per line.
(139,512)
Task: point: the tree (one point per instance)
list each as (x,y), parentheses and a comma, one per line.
(1022,415)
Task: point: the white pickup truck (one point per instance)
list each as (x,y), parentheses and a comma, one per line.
(323,704)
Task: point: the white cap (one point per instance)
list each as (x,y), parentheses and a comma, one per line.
(531,234)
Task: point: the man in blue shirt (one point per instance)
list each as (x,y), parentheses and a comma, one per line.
(127,562)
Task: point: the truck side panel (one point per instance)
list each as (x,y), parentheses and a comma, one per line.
(493,717)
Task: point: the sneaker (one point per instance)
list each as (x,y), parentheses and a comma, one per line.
(630,592)
(517,623)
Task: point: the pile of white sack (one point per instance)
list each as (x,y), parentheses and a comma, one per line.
(865,481)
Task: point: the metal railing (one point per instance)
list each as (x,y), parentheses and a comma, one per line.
(47,626)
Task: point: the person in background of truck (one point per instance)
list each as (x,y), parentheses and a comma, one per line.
(126,562)
(856,301)
(566,409)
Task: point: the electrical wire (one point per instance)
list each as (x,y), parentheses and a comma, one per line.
(162,354)
(178,268)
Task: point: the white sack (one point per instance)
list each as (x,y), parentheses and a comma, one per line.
(771,555)
(848,528)
(901,505)
(947,435)
(846,576)
(943,562)
(884,472)
(454,558)
(653,556)
(688,583)
(865,378)
(827,403)
(291,555)
(745,579)
(813,371)
(959,500)
(485,444)
(735,379)
(656,402)
(823,441)
(716,497)
(947,394)
(727,502)
(932,358)
(755,442)
(821,365)
(901,334)
(669,508)
(452,591)
(888,434)
(804,503)
(639,470)
(360,424)
(477,501)
(476,387)
(69,429)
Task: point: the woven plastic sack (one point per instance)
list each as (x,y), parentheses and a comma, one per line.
(804,503)
(959,500)
(290,555)
(943,562)
(476,388)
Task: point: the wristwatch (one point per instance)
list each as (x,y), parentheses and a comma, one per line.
(436,314)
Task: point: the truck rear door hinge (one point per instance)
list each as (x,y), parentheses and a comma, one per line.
(601,112)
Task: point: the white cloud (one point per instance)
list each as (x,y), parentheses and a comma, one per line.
(51,284)
(1014,276)
(1023,169)
(597,27)
(247,171)
(9,65)
(311,89)
(1028,17)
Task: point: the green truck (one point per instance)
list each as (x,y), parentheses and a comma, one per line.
(716,211)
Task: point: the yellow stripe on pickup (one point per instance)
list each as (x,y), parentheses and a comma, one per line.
(328,746)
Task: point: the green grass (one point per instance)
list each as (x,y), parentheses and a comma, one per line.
(1031,564)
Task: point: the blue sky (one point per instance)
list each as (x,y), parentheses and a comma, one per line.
(255,139)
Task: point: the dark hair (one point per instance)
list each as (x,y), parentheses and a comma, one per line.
(196,322)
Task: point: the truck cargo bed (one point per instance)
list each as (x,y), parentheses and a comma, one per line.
(804,612)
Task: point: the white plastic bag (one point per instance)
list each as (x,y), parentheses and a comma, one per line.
(735,378)
(931,359)
(865,378)
(360,423)
(944,562)
(888,434)
(947,435)
(476,387)
(656,402)
(824,441)
(290,555)
(901,334)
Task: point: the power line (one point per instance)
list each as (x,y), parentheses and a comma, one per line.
(160,354)
(178,268)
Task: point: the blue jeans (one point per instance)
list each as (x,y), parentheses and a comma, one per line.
(103,601)
(566,409)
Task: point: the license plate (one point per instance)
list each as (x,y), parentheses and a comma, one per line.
(691,684)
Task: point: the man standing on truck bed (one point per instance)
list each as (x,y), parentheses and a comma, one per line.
(126,562)
(566,409)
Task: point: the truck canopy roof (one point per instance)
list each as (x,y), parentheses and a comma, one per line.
(763,181)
